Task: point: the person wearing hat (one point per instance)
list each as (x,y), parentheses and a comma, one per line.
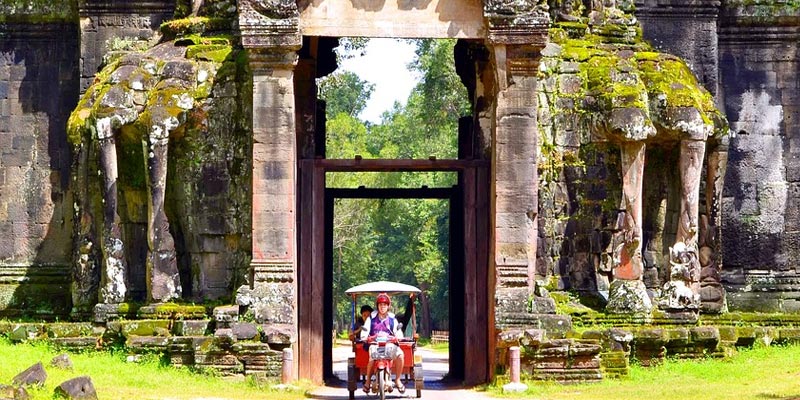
(382,323)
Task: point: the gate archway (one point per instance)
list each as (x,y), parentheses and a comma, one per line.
(288,47)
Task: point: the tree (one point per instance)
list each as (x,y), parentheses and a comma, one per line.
(344,92)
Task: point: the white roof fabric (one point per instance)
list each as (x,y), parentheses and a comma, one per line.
(381,287)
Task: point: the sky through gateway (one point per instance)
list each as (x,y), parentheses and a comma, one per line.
(385,64)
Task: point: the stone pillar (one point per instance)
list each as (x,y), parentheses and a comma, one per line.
(517,33)
(691,166)
(163,279)
(271,35)
(712,293)
(627,293)
(113,288)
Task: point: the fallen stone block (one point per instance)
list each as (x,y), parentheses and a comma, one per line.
(34,375)
(61,361)
(80,388)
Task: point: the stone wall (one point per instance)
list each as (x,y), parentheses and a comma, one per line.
(759,65)
(38,87)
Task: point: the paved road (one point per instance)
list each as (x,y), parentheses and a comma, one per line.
(435,367)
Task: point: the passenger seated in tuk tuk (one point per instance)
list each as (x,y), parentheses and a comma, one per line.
(382,323)
(366,310)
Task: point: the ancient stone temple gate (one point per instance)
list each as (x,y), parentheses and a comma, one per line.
(499,55)
(591,161)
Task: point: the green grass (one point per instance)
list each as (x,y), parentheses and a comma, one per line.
(763,373)
(443,348)
(114,378)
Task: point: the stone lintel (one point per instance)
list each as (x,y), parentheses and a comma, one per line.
(679,9)
(86,8)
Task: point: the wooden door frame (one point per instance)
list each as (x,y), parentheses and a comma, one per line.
(312,275)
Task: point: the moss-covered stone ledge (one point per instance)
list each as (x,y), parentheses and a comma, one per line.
(243,348)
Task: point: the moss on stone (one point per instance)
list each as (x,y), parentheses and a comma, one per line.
(209,52)
(63,329)
(194,25)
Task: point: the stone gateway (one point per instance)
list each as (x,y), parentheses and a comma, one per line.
(641,154)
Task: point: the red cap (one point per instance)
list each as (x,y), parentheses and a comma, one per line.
(383,298)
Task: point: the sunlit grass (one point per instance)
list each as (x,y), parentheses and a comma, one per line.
(114,378)
(763,373)
(442,348)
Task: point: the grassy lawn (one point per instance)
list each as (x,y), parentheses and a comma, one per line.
(114,378)
(762,373)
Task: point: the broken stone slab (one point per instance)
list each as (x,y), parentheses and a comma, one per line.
(61,361)
(147,344)
(278,334)
(506,339)
(533,337)
(224,338)
(68,329)
(75,343)
(245,330)
(628,297)
(34,375)
(158,327)
(171,311)
(705,335)
(105,312)
(190,327)
(25,332)
(225,316)
(80,388)
(8,392)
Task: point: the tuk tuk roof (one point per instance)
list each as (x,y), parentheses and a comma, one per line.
(382,287)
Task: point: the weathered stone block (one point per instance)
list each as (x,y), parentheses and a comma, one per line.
(650,338)
(190,327)
(278,334)
(789,335)
(13,393)
(147,344)
(80,388)
(61,361)
(245,330)
(62,329)
(225,316)
(34,375)
(707,336)
(25,332)
(145,328)
(728,334)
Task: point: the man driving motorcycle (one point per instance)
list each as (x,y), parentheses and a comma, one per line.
(383,325)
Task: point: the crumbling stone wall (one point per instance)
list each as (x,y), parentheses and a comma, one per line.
(38,87)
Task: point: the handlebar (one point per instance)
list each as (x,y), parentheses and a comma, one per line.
(392,339)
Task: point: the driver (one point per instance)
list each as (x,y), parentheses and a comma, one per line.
(382,323)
